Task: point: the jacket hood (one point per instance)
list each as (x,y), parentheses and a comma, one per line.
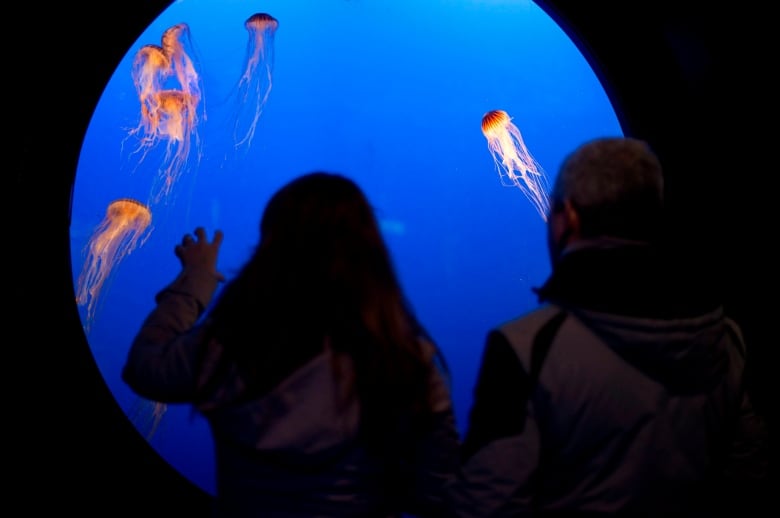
(308,418)
(686,355)
(658,316)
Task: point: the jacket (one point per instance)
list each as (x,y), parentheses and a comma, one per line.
(622,394)
(295,451)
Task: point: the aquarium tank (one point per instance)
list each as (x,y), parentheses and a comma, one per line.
(452,115)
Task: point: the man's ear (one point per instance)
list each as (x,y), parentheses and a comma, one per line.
(572,219)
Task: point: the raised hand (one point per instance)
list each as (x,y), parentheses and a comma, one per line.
(197,253)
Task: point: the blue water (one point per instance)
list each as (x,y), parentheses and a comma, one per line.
(388,92)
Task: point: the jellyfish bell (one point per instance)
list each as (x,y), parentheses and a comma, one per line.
(125,226)
(129,211)
(176,115)
(173,38)
(154,56)
(494,121)
(515,164)
(261,22)
(151,60)
(151,67)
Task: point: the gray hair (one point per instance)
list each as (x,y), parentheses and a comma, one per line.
(616,186)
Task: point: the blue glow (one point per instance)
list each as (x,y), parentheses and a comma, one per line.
(389,92)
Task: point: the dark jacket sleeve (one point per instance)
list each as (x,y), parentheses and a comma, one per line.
(162,364)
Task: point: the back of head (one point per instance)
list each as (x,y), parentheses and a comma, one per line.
(322,272)
(615,184)
(320,238)
(321,259)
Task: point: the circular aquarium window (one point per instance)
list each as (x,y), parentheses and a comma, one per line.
(453,117)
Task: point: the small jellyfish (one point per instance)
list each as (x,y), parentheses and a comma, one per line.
(516,167)
(125,227)
(147,416)
(255,84)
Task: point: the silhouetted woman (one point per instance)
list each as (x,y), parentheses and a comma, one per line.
(323,394)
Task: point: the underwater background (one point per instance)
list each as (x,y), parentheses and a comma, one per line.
(388,92)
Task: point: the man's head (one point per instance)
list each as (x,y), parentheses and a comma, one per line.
(607,188)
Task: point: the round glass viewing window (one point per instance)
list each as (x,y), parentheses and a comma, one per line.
(452,115)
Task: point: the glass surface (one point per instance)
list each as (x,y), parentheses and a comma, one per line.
(213,108)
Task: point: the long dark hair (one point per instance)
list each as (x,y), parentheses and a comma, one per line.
(322,272)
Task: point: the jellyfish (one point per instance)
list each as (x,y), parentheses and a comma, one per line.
(177,45)
(516,167)
(170,96)
(151,67)
(255,83)
(147,416)
(126,226)
(174,120)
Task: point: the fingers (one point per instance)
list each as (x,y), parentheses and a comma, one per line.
(217,238)
(197,253)
(200,234)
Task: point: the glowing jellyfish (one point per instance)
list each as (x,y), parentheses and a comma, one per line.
(170,96)
(516,167)
(173,120)
(255,83)
(126,226)
(147,416)
(177,45)
(151,68)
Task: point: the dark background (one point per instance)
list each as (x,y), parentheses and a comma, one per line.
(692,78)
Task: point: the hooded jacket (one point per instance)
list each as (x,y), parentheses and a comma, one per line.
(622,394)
(294,452)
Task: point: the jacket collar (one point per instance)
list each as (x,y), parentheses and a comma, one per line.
(626,278)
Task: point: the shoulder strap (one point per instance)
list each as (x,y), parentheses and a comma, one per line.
(541,346)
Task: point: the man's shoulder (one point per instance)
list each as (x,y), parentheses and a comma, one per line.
(521,333)
(529,322)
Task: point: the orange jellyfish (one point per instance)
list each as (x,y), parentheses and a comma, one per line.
(151,67)
(169,112)
(173,120)
(177,45)
(255,83)
(516,167)
(126,226)
(148,416)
